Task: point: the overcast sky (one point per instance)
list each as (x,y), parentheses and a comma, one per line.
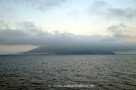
(104,24)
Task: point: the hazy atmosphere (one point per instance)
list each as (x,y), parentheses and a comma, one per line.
(67,44)
(102,24)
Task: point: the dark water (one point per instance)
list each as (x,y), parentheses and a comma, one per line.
(52,72)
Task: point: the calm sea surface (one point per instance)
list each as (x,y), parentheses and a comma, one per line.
(68,72)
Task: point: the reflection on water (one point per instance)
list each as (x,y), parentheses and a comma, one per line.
(51,72)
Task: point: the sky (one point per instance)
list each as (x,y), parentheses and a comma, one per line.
(103,24)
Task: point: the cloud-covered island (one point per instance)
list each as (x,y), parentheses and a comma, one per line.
(68,26)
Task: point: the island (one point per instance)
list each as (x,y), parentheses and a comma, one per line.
(68,51)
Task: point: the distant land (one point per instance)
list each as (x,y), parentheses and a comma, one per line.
(67,51)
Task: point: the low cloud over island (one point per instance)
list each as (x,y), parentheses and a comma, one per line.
(28,33)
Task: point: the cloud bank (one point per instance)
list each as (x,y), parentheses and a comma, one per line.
(29,34)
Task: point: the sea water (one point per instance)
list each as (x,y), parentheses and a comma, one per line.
(68,72)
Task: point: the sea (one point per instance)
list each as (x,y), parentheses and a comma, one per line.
(67,72)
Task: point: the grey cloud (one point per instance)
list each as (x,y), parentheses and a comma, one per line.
(104,9)
(122,31)
(29,34)
(98,7)
(44,4)
(37,4)
(53,3)
(99,4)
(116,12)
(118,30)
(128,13)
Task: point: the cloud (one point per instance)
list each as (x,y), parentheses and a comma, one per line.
(106,10)
(118,30)
(128,13)
(3,25)
(122,31)
(98,7)
(42,5)
(45,4)
(99,4)
(29,34)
